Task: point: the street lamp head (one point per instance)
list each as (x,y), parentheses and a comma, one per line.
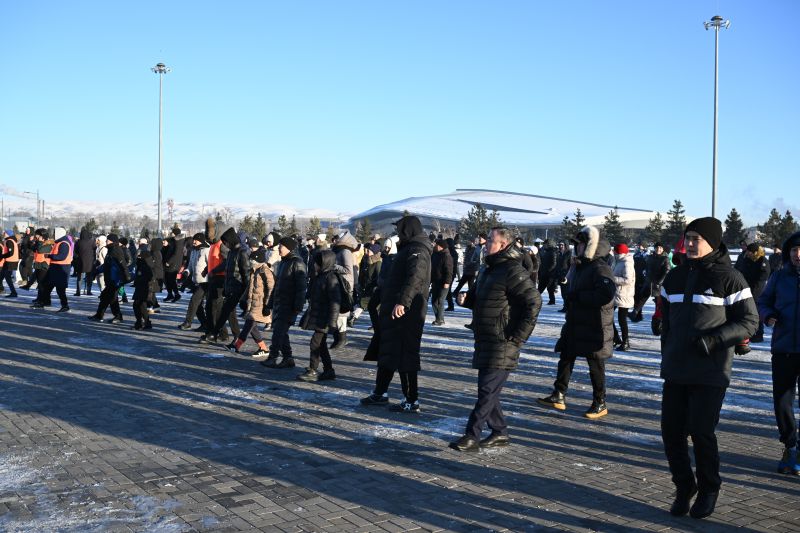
(161,68)
(717,22)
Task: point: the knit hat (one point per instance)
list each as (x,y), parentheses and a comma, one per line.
(752,247)
(288,242)
(176,231)
(199,237)
(112,237)
(621,248)
(252,242)
(709,228)
(658,244)
(259,256)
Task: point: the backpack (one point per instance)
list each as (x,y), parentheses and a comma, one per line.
(345,294)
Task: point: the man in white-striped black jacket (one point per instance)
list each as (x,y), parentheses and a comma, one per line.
(708,309)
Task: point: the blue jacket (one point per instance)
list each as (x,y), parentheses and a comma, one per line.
(781,300)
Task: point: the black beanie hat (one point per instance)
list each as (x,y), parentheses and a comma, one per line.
(259,256)
(112,237)
(709,228)
(199,237)
(288,242)
(752,247)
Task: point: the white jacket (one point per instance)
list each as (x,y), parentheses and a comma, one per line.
(198,261)
(625,278)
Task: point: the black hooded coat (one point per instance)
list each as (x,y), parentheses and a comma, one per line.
(396,345)
(156,245)
(325,295)
(86,251)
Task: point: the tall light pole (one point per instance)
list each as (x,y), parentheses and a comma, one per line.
(716,22)
(38,218)
(160,69)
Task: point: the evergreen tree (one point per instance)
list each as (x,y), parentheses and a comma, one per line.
(478,220)
(788,226)
(772,228)
(283,225)
(676,223)
(654,231)
(567,229)
(314,228)
(91,225)
(579,221)
(612,227)
(259,227)
(293,229)
(364,231)
(734,229)
(406,213)
(115,228)
(246,225)
(330,233)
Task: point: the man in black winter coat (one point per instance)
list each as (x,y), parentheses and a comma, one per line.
(321,316)
(548,257)
(237,277)
(589,327)
(404,304)
(173,259)
(114,272)
(505,305)
(84,249)
(441,277)
(755,270)
(563,264)
(708,309)
(286,302)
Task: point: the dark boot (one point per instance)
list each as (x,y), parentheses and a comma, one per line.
(271,361)
(339,340)
(556,400)
(683,499)
(704,505)
(286,362)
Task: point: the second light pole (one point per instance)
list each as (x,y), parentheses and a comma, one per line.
(160,69)
(716,22)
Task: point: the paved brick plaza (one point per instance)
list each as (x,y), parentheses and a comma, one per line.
(105,429)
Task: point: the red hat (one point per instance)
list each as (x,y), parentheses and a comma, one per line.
(621,248)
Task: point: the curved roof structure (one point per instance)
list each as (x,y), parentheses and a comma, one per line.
(516,209)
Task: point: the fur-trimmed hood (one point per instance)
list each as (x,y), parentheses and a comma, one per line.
(595,246)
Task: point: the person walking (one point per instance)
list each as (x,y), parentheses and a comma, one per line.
(198,272)
(286,302)
(173,260)
(259,289)
(144,286)
(548,257)
(625,280)
(10,261)
(441,277)
(404,305)
(779,309)
(589,327)
(237,277)
(505,295)
(115,273)
(755,269)
(563,264)
(85,250)
(707,309)
(321,316)
(59,269)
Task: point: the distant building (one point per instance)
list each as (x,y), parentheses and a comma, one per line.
(528,212)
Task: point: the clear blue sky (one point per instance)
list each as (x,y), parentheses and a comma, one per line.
(347,105)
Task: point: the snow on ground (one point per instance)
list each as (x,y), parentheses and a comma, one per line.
(84,512)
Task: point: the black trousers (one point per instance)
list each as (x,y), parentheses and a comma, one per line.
(228,314)
(109,297)
(408,382)
(487,408)
(43,288)
(597,373)
(8,275)
(171,283)
(692,411)
(548,283)
(438,296)
(26,267)
(140,309)
(196,305)
(622,317)
(280,339)
(319,351)
(214,298)
(785,383)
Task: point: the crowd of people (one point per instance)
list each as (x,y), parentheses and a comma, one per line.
(707,310)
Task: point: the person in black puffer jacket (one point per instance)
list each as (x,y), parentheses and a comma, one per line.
(237,276)
(755,269)
(173,259)
(404,305)
(144,286)
(505,305)
(114,270)
(286,302)
(589,327)
(321,316)
(441,278)
(548,261)
(708,308)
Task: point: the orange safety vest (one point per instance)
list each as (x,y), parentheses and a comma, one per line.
(67,260)
(215,258)
(39,257)
(14,258)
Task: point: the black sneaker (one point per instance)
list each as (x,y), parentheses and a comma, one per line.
(185,326)
(148,325)
(597,410)
(116,320)
(465,444)
(326,375)
(208,339)
(138,326)
(96,318)
(375,399)
(12,295)
(556,400)
(309,375)
(286,362)
(231,347)
(405,407)
(260,353)
(63,309)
